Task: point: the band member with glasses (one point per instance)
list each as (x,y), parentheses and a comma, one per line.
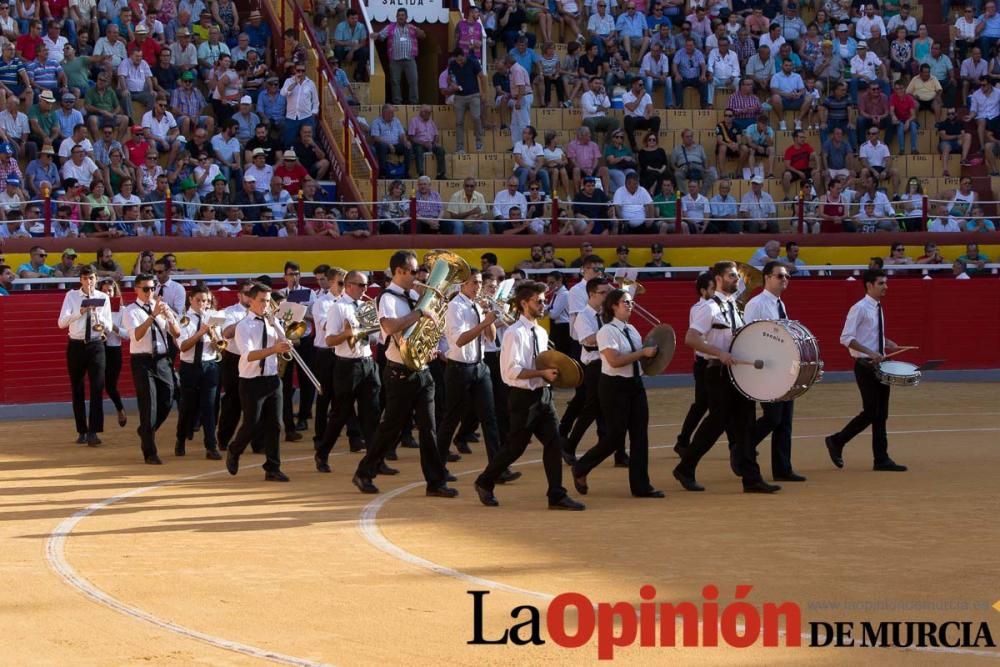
(295,423)
(776,419)
(150,323)
(85,354)
(532,412)
(407,392)
(259,343)
(199,375)
(623,398)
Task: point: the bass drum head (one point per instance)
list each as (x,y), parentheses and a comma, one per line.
(776,347)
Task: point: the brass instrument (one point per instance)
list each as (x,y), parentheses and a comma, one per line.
(290,331)
(218,342)
(502,309)
(635,288)
(418,343)
(752,279)
(368,321)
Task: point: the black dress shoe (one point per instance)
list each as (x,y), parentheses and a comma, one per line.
(302,425)
(232,462)
(443,491)
(462,447)
(357,444)
(622,463)
(93,440)
(569,457)
(580,484)
(448,477)
(889,466)
(276,476)
(154,460)
(486,496)
(322,465)
(213,455)
(836,452)
(567,503)
(687,481)
(364,484)
(383,469)
(760,486)
(81,439)
(508,475)
(679,449)
(452,457)
(391,456)
(790,477)
(180,450)
(409,443)
(652,493)
(292,436)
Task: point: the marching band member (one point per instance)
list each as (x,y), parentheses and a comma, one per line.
(150,324)
(711,333)
(85,353)
(466,375)
(331,287)
(559,312)
(585,327)
(593,267)
(260,343)
(304,345)
(113,349)
(864,337)
(354,377)
(491,356)
(530,402)
(705,284)
(406,392)
(776,419)
(623,398)
(199,375)
(230,409)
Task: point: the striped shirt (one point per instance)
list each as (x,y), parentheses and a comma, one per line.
(744,106)
(45,75)
(10,71)
(403,44)
(189,102)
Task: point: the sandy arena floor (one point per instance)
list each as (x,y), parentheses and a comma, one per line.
(110,562)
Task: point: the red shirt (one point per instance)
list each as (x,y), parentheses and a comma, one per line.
(27,47)
(291,177)
(798,156)
(137,151)
(58,8)
(150,50)
(904,106)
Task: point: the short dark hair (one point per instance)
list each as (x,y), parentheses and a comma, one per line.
(872,275)
(258,288)
(721,267)
(526,290)
(771,266)
(594,283)
(263,279)
(703,281)
(790,245)
(198,289)
(87,270)
(322,268)
(592,259)
(489,257)
(557,275)
(294,266)
(143,277)
(400,258)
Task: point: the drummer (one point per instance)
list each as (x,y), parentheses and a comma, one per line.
(777,415)
(623,398)
(711,332)
(864,337)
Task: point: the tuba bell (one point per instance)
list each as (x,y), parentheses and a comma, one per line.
(420,340)
(751,279)
(368,321)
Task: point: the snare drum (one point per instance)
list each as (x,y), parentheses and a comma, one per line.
(791,360)
(898,373)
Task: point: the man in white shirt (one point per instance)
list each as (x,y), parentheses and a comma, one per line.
(877,161)
(149,324)
(865,338)
(532,412)
(229,380)
(639,112)
(168,289)
(705,284)
(776,418)
(655,70)
(863,28)
(85,352)
(199,374)
(135,81)
(594,106)
(301,104)
(723,69)
(633,207)
(508,199)
(695,208)
(331,286)
(558,312)
(985,109)
(757,206)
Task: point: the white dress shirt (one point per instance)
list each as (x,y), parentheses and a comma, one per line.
(692,314)
(320,310)
(208,351)
(587,324)
(155,340)
(518,352)
(559,310)
(249,334)
(862,326)
(114,340)
(71,318)
(576,302)
(494,345)
(764,306)
(504,201)
(724,66)
(301,100)
(392,305)
(344,310)
(594,105)
(172,293)
(462,315)
(612,336)
(234,315)
(713,322)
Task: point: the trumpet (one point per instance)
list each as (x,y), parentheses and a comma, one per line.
(503,311)
(170,314)
(286,333)
(218,342)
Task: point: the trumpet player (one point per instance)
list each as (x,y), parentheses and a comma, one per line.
(355,376)
(150,323)
(260,341)
(407,392)
(85,357)
(199,374)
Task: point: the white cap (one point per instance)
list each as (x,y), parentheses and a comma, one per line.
(246,100)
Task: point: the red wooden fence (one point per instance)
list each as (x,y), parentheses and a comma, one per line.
(958,321)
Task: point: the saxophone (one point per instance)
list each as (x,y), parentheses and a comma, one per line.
(419,341)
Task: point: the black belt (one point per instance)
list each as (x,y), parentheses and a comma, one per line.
(519,390)
(469,364)
(400,367)
(354,360)
(80,341)
(713,363)
(203,362)
(590,348)
(152,356)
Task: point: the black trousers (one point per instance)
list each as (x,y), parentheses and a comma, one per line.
(500,392)
(436,367)
(322,367)
(623,402)
(589,410)
(531,414)
(699,407)
(408,395)
(728,411)
(776,421)
(559,335)
(468,386)
(230,408)
(633,123)
(355,382)
(307,392)
(199,385)
(261,401)
(874,412)
(113,371)
(154,387)
(381,361)
(85,361)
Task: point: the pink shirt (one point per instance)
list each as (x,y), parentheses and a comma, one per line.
(421,130)
(585,156)
(519,77)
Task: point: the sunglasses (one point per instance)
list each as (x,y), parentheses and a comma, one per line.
(146,289)
(362,285)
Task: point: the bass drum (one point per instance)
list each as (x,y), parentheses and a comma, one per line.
(791,360)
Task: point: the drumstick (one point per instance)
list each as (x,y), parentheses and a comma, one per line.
(756,363)
(902,349)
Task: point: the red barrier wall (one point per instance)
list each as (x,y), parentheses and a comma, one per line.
(958,321)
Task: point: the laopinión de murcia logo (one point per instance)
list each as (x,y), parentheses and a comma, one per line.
(572,620)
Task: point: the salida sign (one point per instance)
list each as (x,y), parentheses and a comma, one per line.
(419,11)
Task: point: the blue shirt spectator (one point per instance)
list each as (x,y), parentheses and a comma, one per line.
(689,64)
(271,104)
(45,75)
(631,24)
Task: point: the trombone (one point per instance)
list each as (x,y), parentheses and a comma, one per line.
(635,288)
(293,331)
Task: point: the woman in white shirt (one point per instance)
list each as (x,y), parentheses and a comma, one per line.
(529,160)
(623,398)
(113,347)
(556,164)
(126,197)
